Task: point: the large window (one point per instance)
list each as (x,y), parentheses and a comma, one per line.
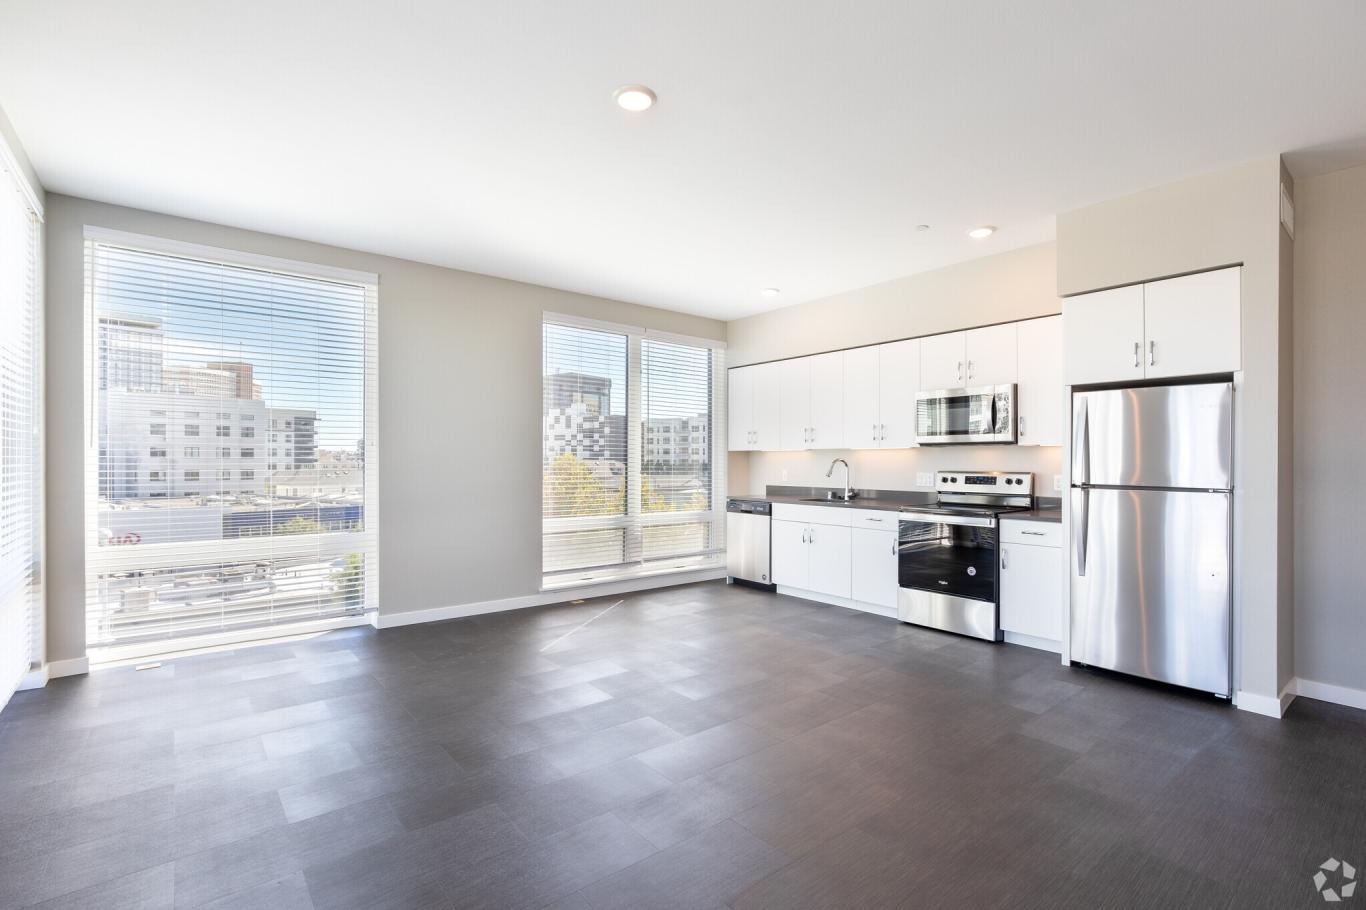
(211,539)
(632,479)
(21,499)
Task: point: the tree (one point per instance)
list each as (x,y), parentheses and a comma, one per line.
(348,582)
(300,525)
(571,488)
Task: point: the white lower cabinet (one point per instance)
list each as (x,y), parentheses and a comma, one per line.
(874,578)
(791,560)
(1031,581)
(812,557)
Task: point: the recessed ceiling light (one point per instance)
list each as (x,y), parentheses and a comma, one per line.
(634,98)
(922,227)
(770,292)
(985,230)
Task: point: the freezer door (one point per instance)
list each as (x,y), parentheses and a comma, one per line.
(1150,585)
(1162,436)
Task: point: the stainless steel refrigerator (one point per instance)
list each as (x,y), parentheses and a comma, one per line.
(1152,484)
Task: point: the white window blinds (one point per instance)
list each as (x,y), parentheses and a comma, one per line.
(232,471)
(21,422)
(632,473)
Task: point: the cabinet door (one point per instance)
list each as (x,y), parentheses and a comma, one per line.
(943,362)
(794,408)
(991,355)
(790,554)
(1031,591)
(861,425)
(827,401)
(767,382)
(1193,324)
(1040,401)
(830,570)
(740,409)
(1103,336)
(898,381)
(873,576)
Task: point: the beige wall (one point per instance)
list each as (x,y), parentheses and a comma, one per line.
(1330,428)
(1217,219)
(1013,285)
(459,428)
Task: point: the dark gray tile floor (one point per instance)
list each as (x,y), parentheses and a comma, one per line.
(696,747)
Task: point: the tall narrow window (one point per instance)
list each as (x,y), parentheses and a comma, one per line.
(208,541)
(21,497)
(630,460)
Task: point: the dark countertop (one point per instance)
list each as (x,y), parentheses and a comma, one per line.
(1053,515)
(886,500)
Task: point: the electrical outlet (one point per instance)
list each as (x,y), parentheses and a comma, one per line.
(923,479)
(1057,483)
(784,475)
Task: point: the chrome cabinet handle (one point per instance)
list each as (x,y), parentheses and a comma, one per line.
(1022,424)
(960,371)
(811,534)
(894,545)
(1138,346)
(1005,559)
(1152,353)
(803,535)
(969,369)
(883,437)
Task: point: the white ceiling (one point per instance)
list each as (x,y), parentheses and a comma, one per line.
(796,143)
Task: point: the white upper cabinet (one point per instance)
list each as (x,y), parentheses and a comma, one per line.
(767,383)
(943,361)
(1103,336)
(862,401)
(898,383)
(752,402)
(794,403)
(1039,408)
(1193,324)
(991,354)
(740,409)
(1186,326)
(826,378)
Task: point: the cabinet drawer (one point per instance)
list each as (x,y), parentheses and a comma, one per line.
(1033,533)
(877,521)
(812,514)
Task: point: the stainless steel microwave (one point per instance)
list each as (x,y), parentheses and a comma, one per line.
(954,416)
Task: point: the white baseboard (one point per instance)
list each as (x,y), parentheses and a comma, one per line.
(560,595)
(836,601)
(1033,641)
(35,678)
(1265,704)
(1339,695)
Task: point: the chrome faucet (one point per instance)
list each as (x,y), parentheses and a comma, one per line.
(848,492)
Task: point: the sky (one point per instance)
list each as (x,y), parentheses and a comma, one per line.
(676,379)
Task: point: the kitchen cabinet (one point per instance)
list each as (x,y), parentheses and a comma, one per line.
(873,566)
(880,382)
(811,556)
(977,357)
(1031,580)
(862,397)
(794,403)
(1186,326)
(942,361)
(1192,324)
(791,560)
(898,383)
(827,401)
(991,355)
(1039,404)
(752,402)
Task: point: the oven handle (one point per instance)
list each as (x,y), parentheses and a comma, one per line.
(973,521)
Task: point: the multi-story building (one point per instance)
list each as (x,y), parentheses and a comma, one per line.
(676,443)
(293,439)
(130,353)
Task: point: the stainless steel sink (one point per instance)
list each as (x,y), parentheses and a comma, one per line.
(841,502)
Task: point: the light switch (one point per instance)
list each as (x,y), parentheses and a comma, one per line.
(1057,483)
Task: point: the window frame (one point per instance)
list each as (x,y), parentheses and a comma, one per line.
(114,559)
(634,521)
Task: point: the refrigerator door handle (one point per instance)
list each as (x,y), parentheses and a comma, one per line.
(1081,444)
(1081,502)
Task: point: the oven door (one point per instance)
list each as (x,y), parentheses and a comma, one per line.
(946,566)
(956,416)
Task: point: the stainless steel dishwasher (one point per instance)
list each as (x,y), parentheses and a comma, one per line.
(748,542)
